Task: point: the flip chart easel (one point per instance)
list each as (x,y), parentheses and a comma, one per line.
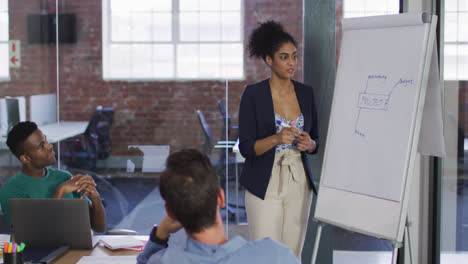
(375,126)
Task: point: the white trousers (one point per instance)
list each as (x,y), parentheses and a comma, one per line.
(284,213)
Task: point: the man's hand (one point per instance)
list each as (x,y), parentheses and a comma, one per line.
(79,183)
(87,186)
(167,227)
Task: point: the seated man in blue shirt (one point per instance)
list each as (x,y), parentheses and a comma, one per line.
(193,199)
(35,180)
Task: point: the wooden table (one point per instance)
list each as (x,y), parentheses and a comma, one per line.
(74,255)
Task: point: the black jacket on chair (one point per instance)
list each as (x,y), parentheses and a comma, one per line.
(257,121)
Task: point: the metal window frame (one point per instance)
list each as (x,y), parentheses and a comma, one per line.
(458,43)
(6,78)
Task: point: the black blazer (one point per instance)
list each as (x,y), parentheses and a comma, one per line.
(257,121)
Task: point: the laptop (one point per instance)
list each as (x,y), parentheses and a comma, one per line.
(43,255)
(51,223)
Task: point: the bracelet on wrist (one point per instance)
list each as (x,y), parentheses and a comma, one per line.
(314,145)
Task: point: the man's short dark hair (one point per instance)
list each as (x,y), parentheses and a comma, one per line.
(18,134)
(190,187)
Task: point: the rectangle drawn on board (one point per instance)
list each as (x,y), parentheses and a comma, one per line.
(376,96)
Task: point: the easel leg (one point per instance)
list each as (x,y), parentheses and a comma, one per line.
(406,239)
(396,246)
(408,235)
(237,194)
(316,243)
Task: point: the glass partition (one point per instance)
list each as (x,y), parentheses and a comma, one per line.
(27,75)
(135,84)
(351,247)
(454,181)
(134,78)
(110,81)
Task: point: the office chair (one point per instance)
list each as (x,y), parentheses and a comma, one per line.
(208,142)
(235,128)
(95,143)
(209,145)
(220,163)
(222,110)
(235,161)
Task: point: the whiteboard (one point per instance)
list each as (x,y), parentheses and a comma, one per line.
(374,123)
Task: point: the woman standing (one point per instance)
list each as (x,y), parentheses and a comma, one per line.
(277,128)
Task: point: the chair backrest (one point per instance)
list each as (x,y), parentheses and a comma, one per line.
(209,142)
(222,110)
(97,133)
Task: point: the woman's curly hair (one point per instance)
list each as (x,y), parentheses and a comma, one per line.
(267,38)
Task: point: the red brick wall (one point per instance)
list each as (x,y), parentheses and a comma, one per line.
(37,72)
(145,112)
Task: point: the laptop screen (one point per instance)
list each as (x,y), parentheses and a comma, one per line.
(48,223)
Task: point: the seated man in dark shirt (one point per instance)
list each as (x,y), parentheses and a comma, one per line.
(190,188)
(35,180)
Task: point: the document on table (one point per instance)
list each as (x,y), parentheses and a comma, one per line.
(4,238)
(108,259)
(117,242)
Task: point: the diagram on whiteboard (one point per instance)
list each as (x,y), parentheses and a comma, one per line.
(376,97)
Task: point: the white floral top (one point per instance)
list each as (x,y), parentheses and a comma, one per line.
(281,122)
